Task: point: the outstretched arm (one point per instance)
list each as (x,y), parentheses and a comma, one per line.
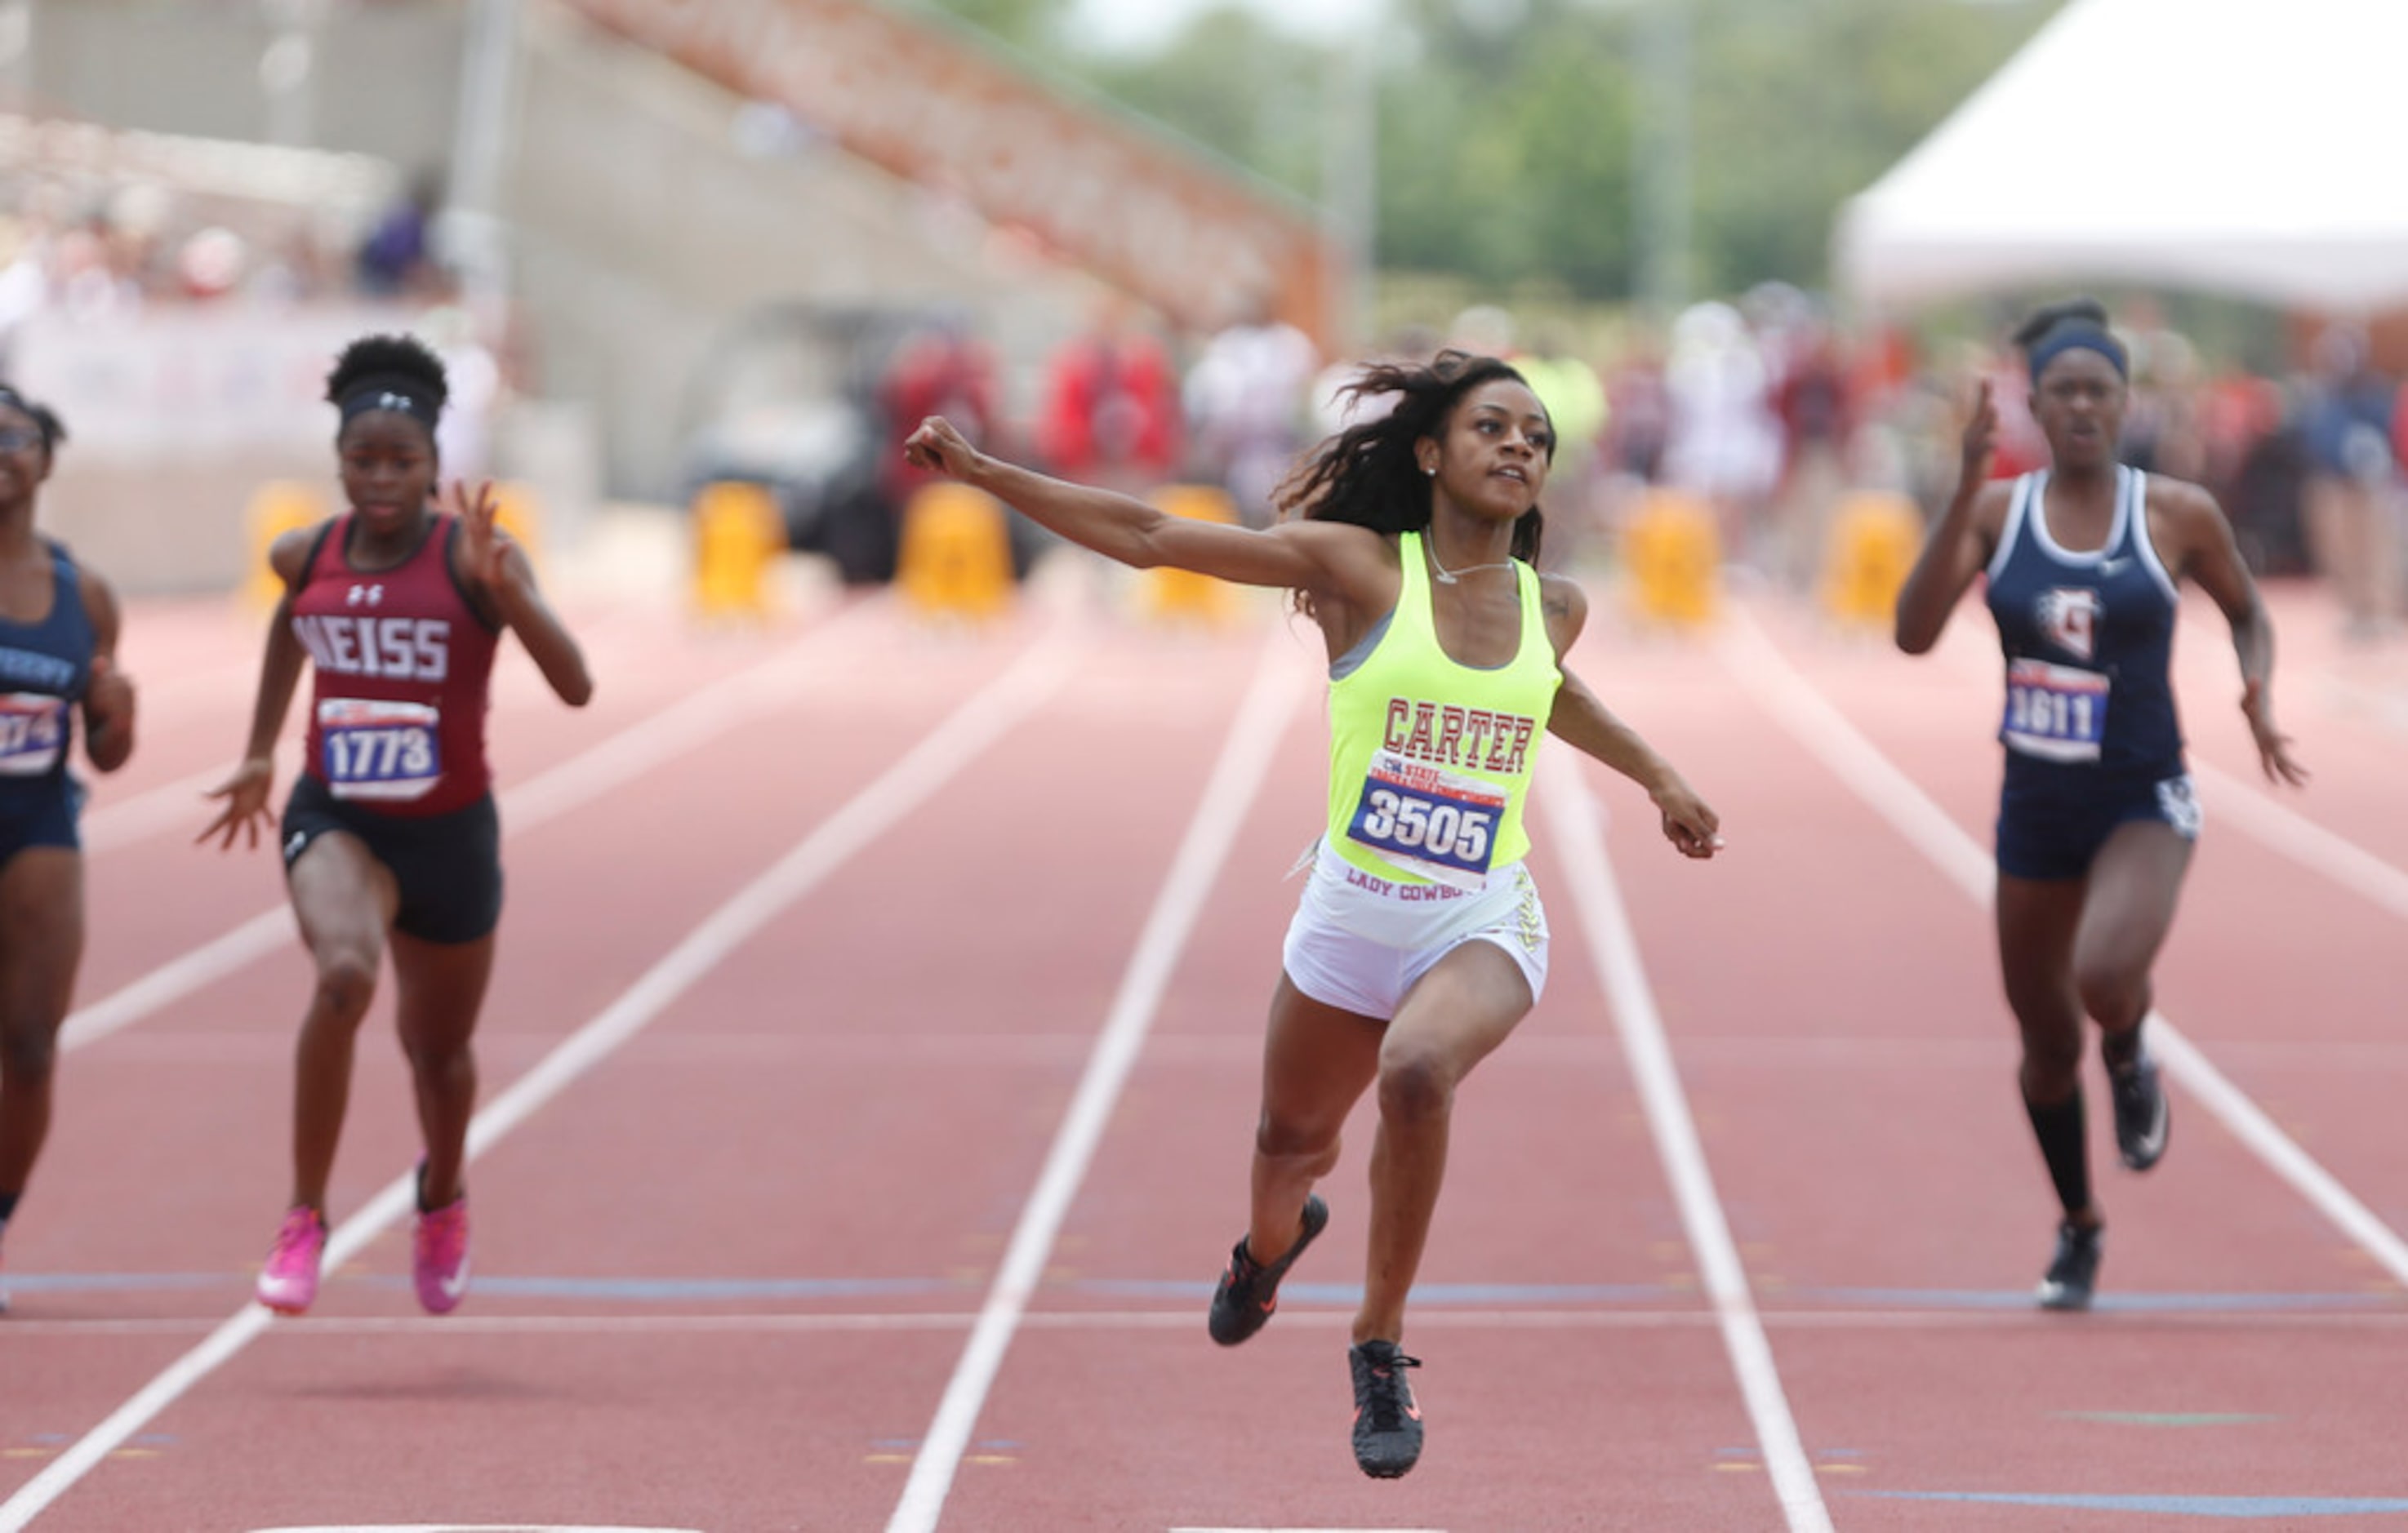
(109,697)
(2210,556)
(246,790)
(1308,556)
(1961,541)
(496,565)
(1581,721)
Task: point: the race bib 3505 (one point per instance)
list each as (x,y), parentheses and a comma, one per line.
(1438,823)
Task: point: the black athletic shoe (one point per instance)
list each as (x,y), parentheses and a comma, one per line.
(1387,1423)
(2141,1118)
(2073,1271)
(1249,1291)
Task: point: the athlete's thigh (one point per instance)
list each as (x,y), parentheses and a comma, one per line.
(343,896)
(1317,1060)
(439,987)
(2037,919)
(41,937)
(2135,882)
(1455,1014)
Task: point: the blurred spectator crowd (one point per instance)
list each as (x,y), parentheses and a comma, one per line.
(1762,410)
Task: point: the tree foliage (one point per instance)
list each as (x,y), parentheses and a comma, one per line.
(1510,131)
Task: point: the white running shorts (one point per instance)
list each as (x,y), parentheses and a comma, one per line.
(1360,943)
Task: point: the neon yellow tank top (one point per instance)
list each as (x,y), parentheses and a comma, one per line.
(1429,760)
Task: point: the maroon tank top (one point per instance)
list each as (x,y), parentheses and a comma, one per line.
(402,662)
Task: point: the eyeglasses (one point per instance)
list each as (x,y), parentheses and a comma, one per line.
(18,439)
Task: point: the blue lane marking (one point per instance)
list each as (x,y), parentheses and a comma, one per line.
(2021,1298)
(2234,1508)
(1428,1293)
(103,1282)
(673,1289)
(2168,1418)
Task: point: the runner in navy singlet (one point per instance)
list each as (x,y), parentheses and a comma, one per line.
(2095,812)
(58,648)
(389,836)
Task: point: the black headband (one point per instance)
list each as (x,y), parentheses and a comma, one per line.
(393,391)
(2071,335)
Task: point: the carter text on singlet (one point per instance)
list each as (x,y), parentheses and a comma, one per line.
(1445,735)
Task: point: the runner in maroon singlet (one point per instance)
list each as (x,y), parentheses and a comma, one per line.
(389,838)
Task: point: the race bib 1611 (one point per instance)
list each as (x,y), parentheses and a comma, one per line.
(2057,712)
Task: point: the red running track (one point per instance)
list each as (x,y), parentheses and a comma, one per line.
(902,994)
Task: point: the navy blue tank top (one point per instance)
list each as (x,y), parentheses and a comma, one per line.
(2088,640)
(44,667)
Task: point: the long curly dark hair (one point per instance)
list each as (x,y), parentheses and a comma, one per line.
(1367,475)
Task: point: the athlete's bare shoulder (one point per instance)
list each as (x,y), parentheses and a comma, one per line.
(1356,565)
(1564,603)
(2181,498)
(1990,503)
(290,552)
(2185,521)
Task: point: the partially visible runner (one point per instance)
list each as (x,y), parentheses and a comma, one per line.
(57,648)
(1420,940)
(390,837)
(2097,815)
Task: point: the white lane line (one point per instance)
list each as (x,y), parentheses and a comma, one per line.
(637,749)
(1245,759)
(2287,832)
(1789,697)
(168,807)
(1614,948)
(2295,836)
(954,745)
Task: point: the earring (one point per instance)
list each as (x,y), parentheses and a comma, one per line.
(1430,468)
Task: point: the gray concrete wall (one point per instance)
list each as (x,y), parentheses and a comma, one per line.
(385,83)
(644,233)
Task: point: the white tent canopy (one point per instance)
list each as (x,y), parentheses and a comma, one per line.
(2257,148)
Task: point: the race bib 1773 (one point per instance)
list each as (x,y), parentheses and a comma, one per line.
(378,750)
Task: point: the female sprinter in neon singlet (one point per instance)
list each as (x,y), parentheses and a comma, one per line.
(2095,812)
(390,839)
(57,648)
(1420,941)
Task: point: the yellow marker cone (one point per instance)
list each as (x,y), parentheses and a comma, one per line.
(956,553)
(1675,557)
(737,534)
(1873,541)
(1178,595)
(276,507)
(520,513)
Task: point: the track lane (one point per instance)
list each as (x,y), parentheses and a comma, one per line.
(771,1106)
(2001,1410)
(1554,1230)
(218,1074)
